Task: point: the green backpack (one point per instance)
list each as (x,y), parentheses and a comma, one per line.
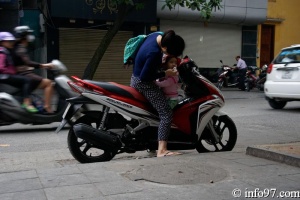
(132,47)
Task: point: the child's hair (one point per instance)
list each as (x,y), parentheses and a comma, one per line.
(167,59)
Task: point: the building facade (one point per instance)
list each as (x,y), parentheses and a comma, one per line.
(231,31)
(280,29)
(72,30)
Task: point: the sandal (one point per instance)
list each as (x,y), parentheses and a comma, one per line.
(29,108)
(47,110)
(169,153)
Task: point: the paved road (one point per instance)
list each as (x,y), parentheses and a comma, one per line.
(256,121)
(35,163)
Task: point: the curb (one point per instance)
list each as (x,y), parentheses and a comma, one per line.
(263,152)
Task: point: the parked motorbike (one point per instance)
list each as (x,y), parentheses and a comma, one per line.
(126,121)
(228,77)
(12,112)
(253,81)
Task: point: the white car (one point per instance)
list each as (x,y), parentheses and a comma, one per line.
(283,78)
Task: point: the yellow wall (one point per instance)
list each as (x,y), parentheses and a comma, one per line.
(288,31)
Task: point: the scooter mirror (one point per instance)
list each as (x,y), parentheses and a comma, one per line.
(58,65)
(221,61)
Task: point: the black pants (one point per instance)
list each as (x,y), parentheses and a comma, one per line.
(158,100)
(242,74)
(19,81)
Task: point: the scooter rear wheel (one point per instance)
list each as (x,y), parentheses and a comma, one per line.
(226,129)
(247,86)
(84,151)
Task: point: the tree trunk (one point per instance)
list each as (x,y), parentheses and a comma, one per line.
(106,40)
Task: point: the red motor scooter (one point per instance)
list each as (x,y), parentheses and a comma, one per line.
(126,122)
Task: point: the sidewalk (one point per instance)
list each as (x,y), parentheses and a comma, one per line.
(213,176)
(288,153)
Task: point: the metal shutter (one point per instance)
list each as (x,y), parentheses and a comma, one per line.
(208,45)
(77,46)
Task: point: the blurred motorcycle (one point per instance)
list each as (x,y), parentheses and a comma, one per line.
(253,81)
(12,112)
(228,77)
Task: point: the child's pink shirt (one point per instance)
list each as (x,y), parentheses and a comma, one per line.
(169,86)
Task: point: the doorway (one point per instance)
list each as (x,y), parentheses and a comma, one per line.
(267,44)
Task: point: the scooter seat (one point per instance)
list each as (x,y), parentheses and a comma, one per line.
(4,76)
(9,89)
(123,90)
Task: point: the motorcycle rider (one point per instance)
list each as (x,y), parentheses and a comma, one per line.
(25,66)
(242,67)
(8,71)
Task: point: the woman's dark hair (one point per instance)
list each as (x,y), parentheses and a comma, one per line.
(168,58)
(174,43)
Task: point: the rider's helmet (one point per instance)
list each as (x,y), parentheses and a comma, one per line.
(23,32)
(6,36)
(264,67)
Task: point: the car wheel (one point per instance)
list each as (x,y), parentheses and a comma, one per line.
(277,104)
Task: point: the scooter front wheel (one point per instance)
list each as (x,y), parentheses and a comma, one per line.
(220,84)
(82,150)
(225,128)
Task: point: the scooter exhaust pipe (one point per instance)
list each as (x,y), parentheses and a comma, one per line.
(103,139)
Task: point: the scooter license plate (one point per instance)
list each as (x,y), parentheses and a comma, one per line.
(64,121)
(67,110)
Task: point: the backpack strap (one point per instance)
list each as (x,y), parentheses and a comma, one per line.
(131,48)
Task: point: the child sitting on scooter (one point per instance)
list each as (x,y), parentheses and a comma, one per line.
(169,84)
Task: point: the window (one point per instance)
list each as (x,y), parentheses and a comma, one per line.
(28,4)
(288,55)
